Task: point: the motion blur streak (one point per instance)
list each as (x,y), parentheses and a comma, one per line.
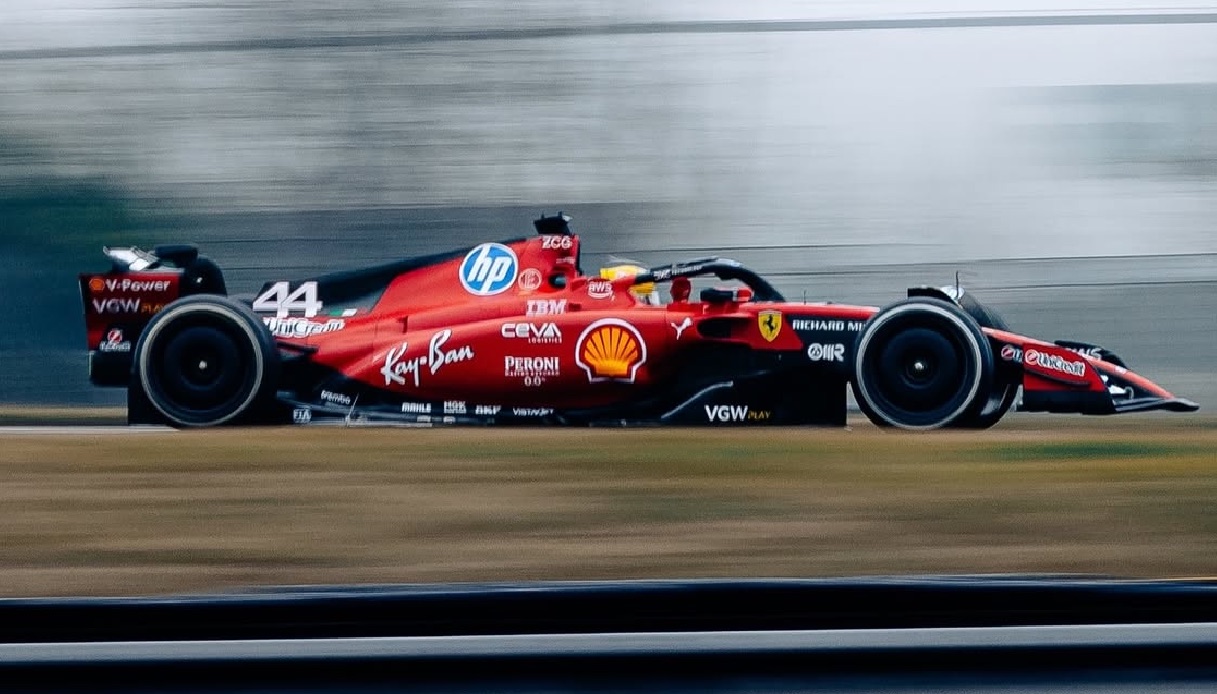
(717,27)
(893,143)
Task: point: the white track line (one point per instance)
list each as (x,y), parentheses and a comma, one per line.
(644,643)
(81,430)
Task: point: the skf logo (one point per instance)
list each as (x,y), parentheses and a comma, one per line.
(770,323)
(611,350)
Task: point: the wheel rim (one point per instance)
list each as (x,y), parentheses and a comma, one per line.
(201,372)
(920,370)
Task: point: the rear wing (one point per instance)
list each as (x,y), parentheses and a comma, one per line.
(119,303)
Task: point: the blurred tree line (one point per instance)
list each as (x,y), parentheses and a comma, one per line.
(43,210)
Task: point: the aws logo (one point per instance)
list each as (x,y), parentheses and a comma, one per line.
(611,350)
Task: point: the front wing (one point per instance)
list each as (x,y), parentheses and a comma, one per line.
(1066,376)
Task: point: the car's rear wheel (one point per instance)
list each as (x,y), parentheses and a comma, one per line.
(921,364)
(206,360)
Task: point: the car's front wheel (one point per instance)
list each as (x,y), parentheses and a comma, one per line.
(206,360)
(922,364)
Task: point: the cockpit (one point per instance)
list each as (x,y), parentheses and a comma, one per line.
(678,275)
(644,292)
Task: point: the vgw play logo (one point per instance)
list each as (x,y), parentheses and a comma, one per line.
(489,269)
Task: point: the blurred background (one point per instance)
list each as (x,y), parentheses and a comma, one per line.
(1063,159)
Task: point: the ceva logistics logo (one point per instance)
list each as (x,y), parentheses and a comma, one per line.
(489,269)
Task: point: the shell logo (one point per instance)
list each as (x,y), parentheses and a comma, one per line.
(611,350)
(96,284)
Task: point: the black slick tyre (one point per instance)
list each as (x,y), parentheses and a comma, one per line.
(206,360)
(1005,385)
(999,403)
(920,364)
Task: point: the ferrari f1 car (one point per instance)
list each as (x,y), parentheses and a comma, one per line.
(515,332)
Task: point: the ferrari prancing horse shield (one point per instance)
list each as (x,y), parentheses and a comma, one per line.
(770,323)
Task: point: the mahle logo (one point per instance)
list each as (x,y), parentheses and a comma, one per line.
(489,269)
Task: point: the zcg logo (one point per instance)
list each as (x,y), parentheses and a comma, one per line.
(489,269)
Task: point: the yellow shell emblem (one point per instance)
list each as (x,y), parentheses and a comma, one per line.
(611,350)
(770,323)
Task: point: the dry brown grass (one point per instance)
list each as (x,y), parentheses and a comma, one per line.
(191,511)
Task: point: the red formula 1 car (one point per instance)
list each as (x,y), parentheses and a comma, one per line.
(514,332)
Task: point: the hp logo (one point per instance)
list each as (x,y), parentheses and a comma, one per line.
(489,269)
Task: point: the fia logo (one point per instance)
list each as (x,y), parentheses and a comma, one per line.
(489,269)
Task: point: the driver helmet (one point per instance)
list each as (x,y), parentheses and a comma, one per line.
(645,292)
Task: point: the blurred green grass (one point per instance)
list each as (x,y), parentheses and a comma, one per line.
(118,513)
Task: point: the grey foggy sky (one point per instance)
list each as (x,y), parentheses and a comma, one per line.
(969,142)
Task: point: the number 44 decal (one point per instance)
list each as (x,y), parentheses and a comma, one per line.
(285,301)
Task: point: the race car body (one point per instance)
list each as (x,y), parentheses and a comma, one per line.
(515,332)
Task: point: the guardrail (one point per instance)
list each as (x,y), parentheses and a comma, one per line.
(460,635)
